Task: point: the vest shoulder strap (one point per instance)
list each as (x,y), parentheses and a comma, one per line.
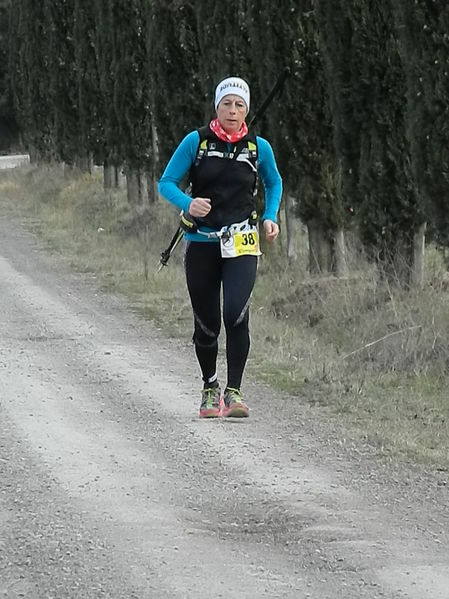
(206,135)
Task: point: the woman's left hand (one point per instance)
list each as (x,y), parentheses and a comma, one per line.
(271,230)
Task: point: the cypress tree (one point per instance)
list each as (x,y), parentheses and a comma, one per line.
(299,123)
(341,61)
(8,125)
(61,77)
(91,119)
(224,46)
(28,70)
(423,30)
(178,91)
(132,93)
(192,47)
(227,45)
(390,213)
(366,83)
(43,77)
(106,59)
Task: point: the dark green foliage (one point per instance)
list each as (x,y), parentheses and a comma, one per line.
(90,108)
(61,78)
(341,61)
(131,82)
(104,44)
(28,61)
(105,77)
(298,123)
(8,126)
(191,48)
(179,96)
(423,28)
(43,77)
(367,86)
(390,210)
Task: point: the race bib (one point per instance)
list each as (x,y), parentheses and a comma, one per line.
(241,243)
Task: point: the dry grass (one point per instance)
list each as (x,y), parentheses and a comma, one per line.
(376,356)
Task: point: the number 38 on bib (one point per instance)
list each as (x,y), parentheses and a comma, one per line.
(241,243)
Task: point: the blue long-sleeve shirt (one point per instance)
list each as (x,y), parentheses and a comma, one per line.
(185,155)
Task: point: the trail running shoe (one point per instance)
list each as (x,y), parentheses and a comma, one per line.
(211,403)
(234,406)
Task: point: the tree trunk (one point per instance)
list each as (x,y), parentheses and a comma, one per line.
(85,163)
(417,272)
(133,187)
(110,176)
(153,178)
(403,265)
(34,154)
(339,251)
(290,225)
(136,185)
(320,249)
(151,183)
(144,196)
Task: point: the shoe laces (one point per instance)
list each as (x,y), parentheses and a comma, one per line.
(210,394)
(233,395)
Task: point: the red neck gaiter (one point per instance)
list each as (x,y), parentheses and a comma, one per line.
(216,127)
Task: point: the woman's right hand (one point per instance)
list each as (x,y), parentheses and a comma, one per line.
(199,207)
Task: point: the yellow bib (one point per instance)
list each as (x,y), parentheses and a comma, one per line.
(241,243)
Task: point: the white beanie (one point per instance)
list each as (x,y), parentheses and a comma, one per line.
(232,85)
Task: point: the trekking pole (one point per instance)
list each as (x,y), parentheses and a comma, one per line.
(165,255)
(277,87)
(187,222)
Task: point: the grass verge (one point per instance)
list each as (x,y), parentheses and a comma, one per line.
(374,357)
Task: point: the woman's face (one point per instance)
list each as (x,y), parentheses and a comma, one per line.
(231,112)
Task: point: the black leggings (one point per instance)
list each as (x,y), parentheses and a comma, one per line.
(206,271)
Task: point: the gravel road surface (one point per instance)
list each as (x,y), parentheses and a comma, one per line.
(110,486)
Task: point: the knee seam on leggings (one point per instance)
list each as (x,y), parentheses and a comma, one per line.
(203,327)
(213,343)
(242,314)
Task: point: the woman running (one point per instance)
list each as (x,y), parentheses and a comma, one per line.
(224,160)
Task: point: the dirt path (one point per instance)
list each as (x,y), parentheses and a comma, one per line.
(110,486)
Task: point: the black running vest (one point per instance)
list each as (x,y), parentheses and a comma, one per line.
(227,174)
